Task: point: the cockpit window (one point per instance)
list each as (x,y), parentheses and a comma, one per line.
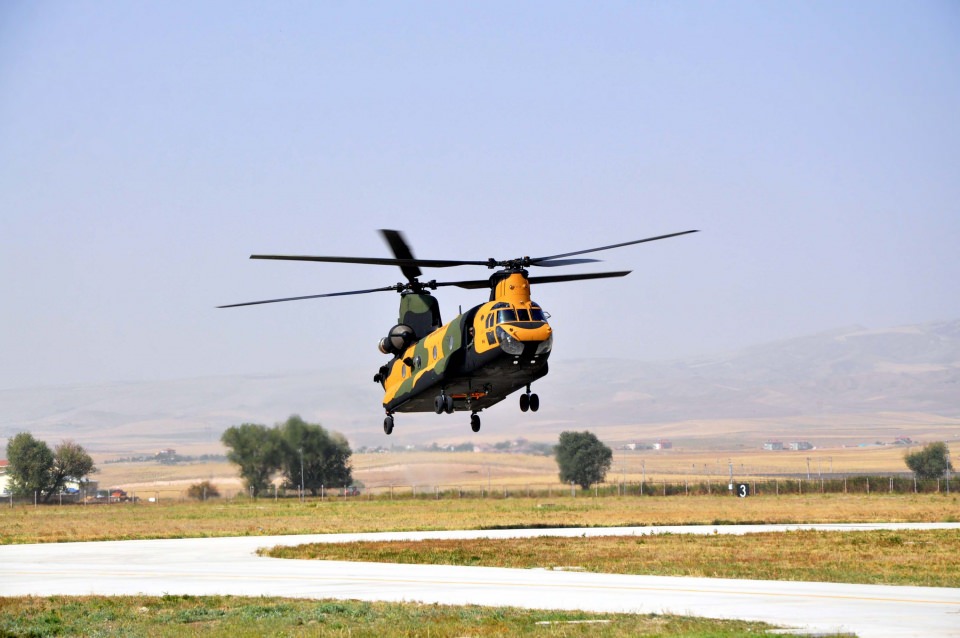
(537,314)
(506,315)
(523,314)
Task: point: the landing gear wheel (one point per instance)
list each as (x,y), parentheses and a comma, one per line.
(439,404)
(524,402)
(534,403)
(448,404)
(475,422)
(388,425)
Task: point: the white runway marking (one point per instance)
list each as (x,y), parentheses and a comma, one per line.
(207,566)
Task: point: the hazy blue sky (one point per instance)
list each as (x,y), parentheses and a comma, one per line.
(147,148)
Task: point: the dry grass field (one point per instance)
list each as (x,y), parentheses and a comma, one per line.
(472,471)
(246,517)
(925,558)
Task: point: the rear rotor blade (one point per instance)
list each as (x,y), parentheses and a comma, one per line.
(537,260)
(377,261)
(332,294)
(401,250)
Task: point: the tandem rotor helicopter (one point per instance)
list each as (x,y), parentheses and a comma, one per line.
(481,356)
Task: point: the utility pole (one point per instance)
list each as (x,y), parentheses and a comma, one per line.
(300,449)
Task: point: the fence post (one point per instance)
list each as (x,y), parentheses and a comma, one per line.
(868,485)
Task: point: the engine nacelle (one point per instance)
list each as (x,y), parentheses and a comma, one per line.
(397,340)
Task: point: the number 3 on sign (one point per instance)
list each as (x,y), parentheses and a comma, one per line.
(743,490)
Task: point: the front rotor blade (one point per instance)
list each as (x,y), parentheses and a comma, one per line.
(331,294)
(564,262)
(537,260)
(473,284)
(587,275)
(401,250)
(476,284)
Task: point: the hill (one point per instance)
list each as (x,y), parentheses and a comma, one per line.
(845,386)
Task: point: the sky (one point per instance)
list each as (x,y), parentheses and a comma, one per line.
(147,149)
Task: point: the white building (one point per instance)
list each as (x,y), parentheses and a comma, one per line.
(4,480)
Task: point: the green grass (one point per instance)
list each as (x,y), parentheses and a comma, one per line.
(925,558)
(233,617)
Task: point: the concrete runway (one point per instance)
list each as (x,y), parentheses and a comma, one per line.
(207,566)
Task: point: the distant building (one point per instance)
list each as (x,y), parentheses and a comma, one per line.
(4,481)
(773,445)
(801,445)
(166,456)
(662,445)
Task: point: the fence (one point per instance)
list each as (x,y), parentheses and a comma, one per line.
(761,486)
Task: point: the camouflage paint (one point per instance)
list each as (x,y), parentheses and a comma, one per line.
(421,312)
(433,353)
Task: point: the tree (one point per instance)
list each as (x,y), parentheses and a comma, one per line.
(257,450)
(34,468)
(30,462)
(70,461)
(931,462)
(583,459)
(324,456)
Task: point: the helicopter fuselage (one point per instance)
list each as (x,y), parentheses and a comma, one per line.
(477,359)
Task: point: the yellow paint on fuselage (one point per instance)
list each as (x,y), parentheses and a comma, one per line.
(514,289)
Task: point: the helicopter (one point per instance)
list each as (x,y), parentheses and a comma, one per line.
(481,356)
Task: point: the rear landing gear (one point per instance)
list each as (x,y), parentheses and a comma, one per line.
(529,401)
(475,422)
(388,425)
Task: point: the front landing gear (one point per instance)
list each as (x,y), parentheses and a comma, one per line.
(388,425)
(443,403)
(475,422)
(529,401)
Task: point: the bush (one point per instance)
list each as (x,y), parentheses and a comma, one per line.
(202,491)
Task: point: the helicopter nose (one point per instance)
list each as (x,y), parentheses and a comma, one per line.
(529,341)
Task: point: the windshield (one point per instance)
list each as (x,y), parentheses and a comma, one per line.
(506,315)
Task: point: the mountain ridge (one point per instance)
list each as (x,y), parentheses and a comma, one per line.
(846,375)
